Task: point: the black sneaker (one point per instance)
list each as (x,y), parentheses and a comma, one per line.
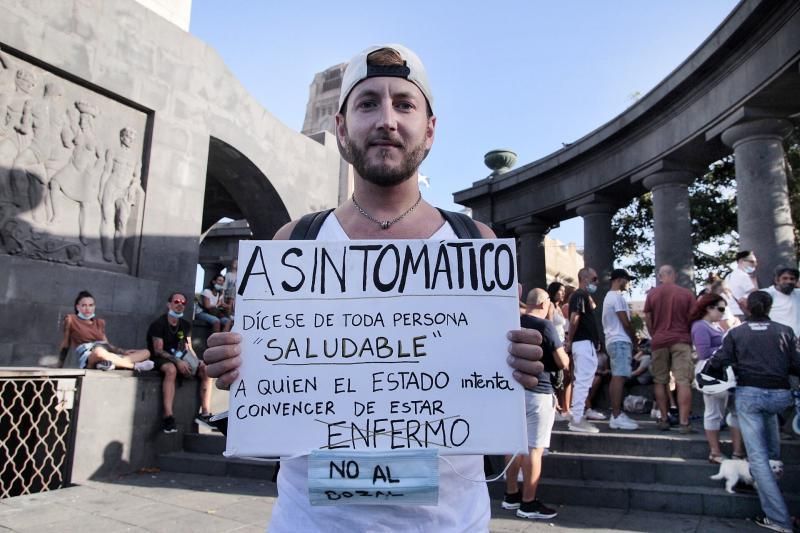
(204,420)
(168,425)
(536,510)
(511,501)
(219,422)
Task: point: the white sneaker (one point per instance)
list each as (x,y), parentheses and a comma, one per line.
(143,366)
(655,414)
(584,426)
(563,417)
(591,414)
(622,422)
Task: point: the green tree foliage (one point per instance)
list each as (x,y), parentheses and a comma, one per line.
(713,212)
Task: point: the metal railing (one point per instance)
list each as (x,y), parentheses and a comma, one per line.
(38,412)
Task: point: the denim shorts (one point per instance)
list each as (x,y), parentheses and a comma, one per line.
(83,351)
(619,355)
(211,319)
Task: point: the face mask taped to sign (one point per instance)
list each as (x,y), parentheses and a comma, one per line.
(397,477)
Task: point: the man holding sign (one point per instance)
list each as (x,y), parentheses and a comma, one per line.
(385,128)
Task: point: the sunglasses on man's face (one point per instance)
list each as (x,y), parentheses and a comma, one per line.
(179,302)
(721,309)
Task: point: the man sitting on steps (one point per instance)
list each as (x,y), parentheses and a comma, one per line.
(169,340)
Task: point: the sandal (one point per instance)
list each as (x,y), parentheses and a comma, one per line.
(739,456)
(716,458)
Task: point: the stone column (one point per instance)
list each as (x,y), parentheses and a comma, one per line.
(598,248)
(672,223)
(598,240)
(530,255)
(762,196)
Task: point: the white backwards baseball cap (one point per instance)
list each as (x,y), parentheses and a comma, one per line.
(413,70)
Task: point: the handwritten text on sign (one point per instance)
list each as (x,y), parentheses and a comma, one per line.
(370,345)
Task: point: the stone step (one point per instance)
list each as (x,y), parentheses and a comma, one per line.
(216,465)
(210,443)
(661,470)
(649,497)
(644,482)
(650,442)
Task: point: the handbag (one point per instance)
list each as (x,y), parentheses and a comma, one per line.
(192,360)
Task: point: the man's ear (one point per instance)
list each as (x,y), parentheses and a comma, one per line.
(340,127)
(430,132)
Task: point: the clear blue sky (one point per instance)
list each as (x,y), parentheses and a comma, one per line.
(525,75)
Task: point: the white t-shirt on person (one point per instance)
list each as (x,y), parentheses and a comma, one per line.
(463,505)
(785,308)
(740,285)
(559,322)
(214,300)
(612,325)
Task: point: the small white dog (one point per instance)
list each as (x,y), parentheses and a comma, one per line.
(735,470)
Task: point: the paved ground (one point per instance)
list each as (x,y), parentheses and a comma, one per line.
(193,503)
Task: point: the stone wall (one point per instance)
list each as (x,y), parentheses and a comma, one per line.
(119,423)
(109,115)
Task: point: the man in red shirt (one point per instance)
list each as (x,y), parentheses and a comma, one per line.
(666,311)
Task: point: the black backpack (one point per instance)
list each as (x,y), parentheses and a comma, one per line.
(308,226)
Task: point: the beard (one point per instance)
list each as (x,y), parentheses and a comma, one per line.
(786,288)
(382,173)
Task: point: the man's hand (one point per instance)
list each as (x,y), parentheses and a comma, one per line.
(223,359)
(183,367)
(525,353)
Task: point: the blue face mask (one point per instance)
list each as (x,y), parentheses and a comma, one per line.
(395,477)
(592,288)
(219,287)
(85,317)
(173,314)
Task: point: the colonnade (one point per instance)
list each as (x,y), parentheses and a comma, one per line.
(764,221)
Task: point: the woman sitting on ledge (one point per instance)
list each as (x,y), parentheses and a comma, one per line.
(86,334)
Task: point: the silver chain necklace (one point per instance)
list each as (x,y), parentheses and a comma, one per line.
(386,224)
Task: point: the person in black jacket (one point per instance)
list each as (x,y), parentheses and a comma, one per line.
(762,353)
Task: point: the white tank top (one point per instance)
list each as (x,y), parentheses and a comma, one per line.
(463,505)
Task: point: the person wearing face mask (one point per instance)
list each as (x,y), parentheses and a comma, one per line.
(742,281)
(581,340)
(85,334)
(785,298)
(214,309)
(169,339)
(666,310)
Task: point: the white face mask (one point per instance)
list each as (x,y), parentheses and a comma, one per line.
(749,269)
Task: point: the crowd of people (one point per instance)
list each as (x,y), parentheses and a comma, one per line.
(731,323)
(168,340)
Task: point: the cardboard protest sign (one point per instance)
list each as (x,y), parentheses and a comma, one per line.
(372,345)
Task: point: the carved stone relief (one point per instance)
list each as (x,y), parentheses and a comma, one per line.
(71,187)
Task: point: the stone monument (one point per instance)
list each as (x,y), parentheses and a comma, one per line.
(123,138)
